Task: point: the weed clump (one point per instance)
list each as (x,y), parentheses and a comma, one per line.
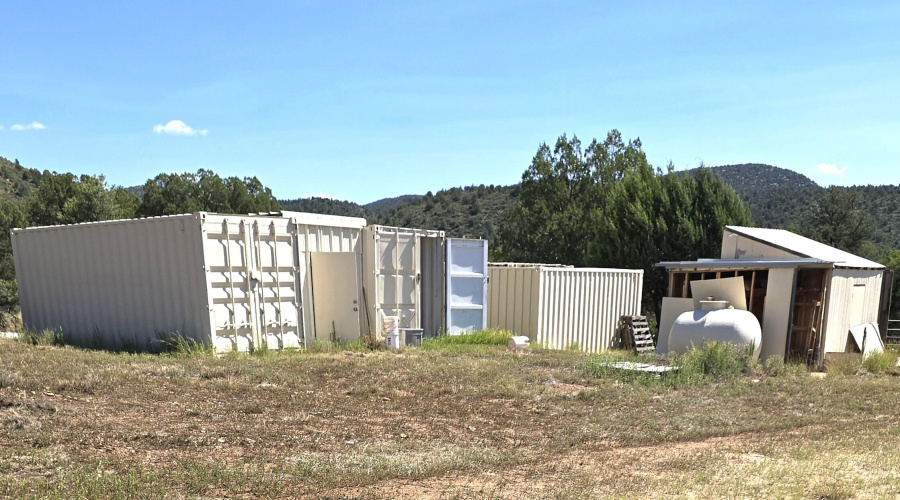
(717,360)
(775,366)
(43,337)
(879,362)
(181,346)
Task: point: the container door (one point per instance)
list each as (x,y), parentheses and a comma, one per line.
(335,293)
(397,263)
(230,274)
(466,285)
(252,280)
(277,288)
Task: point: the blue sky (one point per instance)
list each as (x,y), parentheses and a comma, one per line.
(363,101)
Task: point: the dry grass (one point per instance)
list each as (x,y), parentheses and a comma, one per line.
(450,421)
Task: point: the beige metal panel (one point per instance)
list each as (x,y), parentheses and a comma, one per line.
(672,307)
(335,283)
(116,283)
(573,306)
(841,311)
(513,299)
(777,312)
(735,246)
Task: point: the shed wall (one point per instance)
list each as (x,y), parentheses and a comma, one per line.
(561,307)
(839,310)
(119,283)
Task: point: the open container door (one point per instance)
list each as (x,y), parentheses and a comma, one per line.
(467,281)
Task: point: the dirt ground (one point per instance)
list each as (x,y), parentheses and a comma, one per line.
(457,422)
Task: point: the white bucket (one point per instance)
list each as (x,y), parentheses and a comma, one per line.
(391,332)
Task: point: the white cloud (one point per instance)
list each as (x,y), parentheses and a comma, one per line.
(29,126)
(832,169)
(1,128)
(178,127)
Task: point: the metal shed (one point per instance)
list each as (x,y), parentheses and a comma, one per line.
(807,295)
(563,306)
(237,282)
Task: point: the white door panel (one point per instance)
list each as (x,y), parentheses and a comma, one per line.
(466,285)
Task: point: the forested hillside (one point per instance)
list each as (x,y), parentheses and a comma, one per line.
(780,198)
(16,181)
(469,212)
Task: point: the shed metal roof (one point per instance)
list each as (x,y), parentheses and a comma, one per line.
(736,264)
(804,247)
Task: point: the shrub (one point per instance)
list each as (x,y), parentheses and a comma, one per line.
(878,362)
(775,366)
(843,365)
(44,337)
(179,345)
(718,360)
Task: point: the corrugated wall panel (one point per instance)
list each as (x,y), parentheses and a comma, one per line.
(512,299)
(118,283)
(563,307)
(838,312)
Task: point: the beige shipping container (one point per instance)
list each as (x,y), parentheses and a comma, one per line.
(562,307)
(237,282)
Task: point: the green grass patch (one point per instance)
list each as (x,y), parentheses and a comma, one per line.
(483,337)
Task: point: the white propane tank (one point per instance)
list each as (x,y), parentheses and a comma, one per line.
(714,322)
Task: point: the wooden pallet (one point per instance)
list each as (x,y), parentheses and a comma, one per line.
(635,334)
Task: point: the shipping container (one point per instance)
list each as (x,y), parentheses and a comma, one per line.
(562,307)
(237,282)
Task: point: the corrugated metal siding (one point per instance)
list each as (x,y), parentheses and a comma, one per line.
(562,307)
(513,299)
(837,326)
(119,283)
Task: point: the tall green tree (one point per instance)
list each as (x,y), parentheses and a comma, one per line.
(838,219)
(606,206)
(11,216)
(168,194)
(563,198)
(70,199)
(654,216)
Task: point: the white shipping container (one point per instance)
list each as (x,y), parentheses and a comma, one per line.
(562,307)
(237,282)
